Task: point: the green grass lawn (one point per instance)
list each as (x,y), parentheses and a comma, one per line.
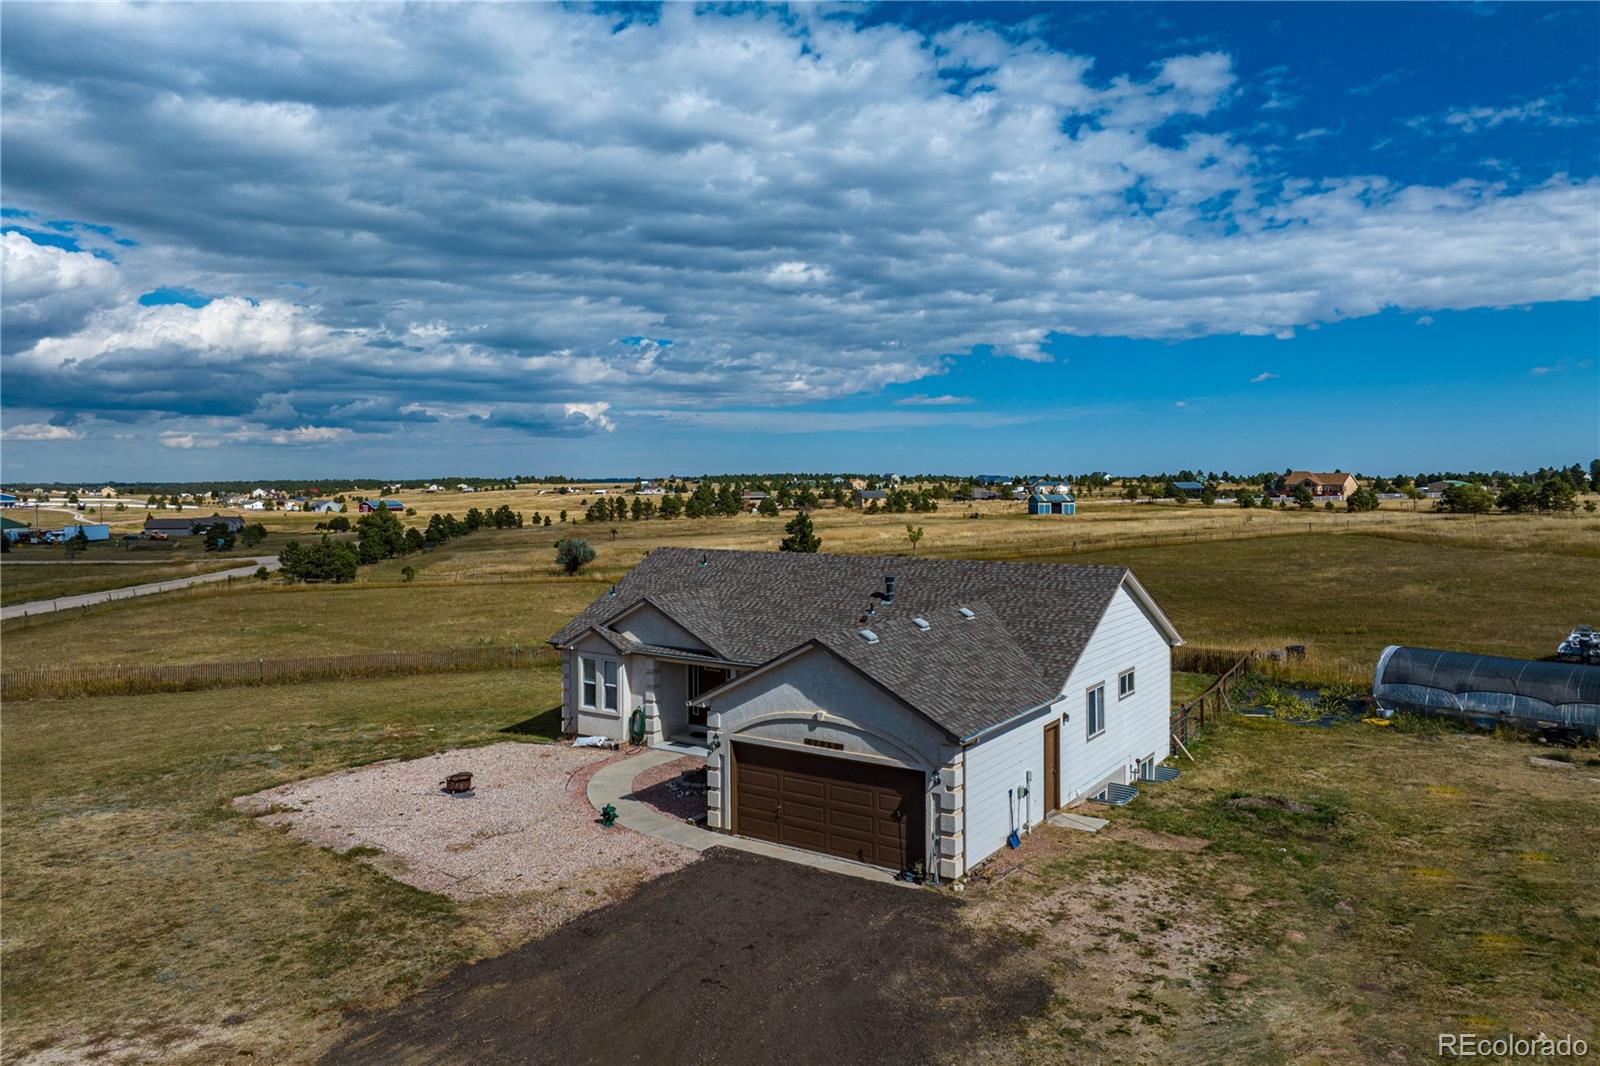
(21,584)
(141,910)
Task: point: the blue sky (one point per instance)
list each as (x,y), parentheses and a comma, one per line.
(257,241)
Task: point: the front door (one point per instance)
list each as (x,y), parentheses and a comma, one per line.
(1052,766)
(703,679)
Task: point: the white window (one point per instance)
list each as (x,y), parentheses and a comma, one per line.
(1095,705)
(612,700)
(600,691)
(1124,684)
(590,687)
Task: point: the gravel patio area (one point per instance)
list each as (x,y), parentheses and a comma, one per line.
(526,827)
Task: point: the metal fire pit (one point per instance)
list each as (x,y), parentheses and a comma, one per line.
(457,784)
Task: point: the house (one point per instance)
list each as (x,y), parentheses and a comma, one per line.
(1192,489)
(369,506)
(977,492)
(992,479)
(184,526)
(108,493)
(863,497)
(906,713)
(1063,503)
(1336,484)
(433,488)
(326,507)
(7,499)
(1436,488)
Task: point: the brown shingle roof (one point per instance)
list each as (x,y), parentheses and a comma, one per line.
(1031,620)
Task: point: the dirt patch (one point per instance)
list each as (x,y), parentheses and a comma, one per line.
(662,788)
(1149,838)
(735,958)
(1130,950)
(525,827)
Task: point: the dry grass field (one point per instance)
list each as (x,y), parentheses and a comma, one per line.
(1345,585)
(47,580)
(1414,880)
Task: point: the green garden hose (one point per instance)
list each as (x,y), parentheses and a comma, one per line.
(636,726)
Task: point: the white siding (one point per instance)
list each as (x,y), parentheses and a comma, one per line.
(995,766)
(1135,727)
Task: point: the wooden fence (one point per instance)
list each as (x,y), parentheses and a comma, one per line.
(1192,715)
(63,681)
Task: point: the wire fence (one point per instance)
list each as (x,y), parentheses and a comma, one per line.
(64,681)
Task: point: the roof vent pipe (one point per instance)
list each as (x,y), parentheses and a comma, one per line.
(888,588)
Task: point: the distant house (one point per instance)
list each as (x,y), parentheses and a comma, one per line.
(752,497)
(7,500)
(369,506)
(184,527)
(978,492)
(863,497)
(108,493)
(90,530)
(432,488)
(858,482)
(992,479)
(1189,488)
(1336,484)
(326,507)
(13,530)
(1062,503)
(1436,488)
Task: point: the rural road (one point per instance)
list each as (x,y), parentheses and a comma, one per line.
(247,567)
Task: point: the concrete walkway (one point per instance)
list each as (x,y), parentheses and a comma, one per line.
(613,783)
(87,599)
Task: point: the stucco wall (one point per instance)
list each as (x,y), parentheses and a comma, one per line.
(599,722)
(784,704)
(649,626)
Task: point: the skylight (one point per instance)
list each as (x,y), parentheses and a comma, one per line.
(966,612)
(921,623)
(869,636)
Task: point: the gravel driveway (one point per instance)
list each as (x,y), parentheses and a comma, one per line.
(526,827)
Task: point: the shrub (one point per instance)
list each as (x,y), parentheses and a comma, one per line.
(409,573)
(1363,499)
(573,553)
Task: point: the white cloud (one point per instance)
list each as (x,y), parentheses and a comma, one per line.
(472,204)
(1425,320)
(1265,375)
(923,400)
(39,431)
(1181,403)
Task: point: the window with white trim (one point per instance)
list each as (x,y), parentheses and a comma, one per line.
(1125,684)
(1095,708)
(612,693)
(590,683)
(600,689)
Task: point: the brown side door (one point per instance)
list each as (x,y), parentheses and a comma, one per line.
(1052,766)
(855,810)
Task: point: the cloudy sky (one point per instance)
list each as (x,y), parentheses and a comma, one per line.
(258,240)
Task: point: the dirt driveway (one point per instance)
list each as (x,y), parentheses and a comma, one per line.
(735,958)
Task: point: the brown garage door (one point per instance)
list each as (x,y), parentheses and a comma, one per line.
(855,810)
